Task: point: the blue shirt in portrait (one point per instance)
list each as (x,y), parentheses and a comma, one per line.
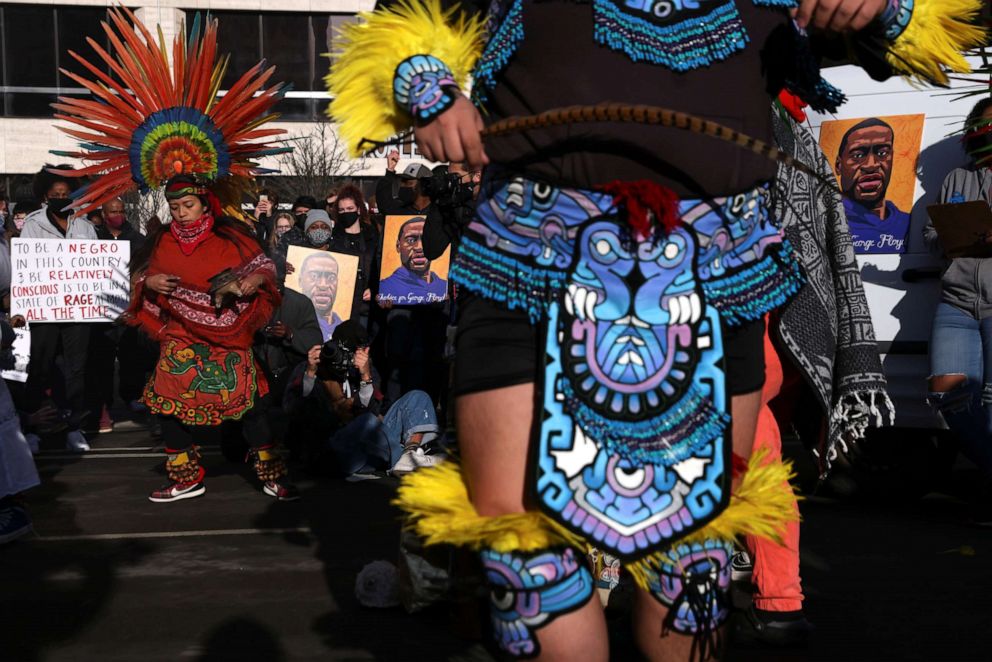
(871,234)
(406,288)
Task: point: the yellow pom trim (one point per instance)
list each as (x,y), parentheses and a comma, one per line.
(932,43)
(441,513)
(762,505)
(361,76)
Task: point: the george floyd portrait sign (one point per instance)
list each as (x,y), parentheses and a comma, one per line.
(875,162)
(408,278)
(328,280)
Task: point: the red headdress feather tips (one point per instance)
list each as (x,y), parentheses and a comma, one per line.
(647,205)
(146,122)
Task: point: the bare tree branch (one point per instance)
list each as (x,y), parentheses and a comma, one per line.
(140,207)
(319,162)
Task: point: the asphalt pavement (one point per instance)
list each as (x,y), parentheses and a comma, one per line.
(234,575)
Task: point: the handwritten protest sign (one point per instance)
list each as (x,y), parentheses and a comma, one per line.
(69,280)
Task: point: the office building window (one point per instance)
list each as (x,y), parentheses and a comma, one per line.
(34,43)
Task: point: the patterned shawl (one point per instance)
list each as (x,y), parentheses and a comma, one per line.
(826,329)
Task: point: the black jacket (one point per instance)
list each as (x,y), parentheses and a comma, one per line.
(368,247)
(278,355)
(128,233)
(388,203)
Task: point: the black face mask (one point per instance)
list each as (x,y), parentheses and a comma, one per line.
(407,195)
(301,219)
(58,206)
(347,218)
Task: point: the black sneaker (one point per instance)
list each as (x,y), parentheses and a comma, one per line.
(785,629)
(178,492)
(282,491)
(14,523)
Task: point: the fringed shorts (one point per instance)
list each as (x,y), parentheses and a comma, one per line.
(516,254)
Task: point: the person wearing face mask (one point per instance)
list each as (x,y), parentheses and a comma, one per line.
(281,225)
(400,193)
(960,347)
(301,207)
(115,342)
(354,234)
(315,232)
(55,220)
(317,229)
(15,220)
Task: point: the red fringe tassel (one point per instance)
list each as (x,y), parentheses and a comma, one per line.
(646,204)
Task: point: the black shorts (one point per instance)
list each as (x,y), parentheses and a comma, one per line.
(496,348)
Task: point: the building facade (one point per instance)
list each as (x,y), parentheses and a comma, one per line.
(36,39)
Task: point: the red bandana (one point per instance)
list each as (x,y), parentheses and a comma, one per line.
(191,235)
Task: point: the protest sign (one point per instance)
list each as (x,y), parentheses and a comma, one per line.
(874,159)
(328,280)
(408,278)
(69,280)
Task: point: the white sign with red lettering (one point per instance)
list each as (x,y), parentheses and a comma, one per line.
(69,280)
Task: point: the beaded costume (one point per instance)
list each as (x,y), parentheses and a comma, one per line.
(634,253)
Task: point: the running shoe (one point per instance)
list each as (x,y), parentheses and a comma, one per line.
(178,492)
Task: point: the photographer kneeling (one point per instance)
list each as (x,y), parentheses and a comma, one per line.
(349,431)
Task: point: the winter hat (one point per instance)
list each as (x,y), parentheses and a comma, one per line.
(317,216)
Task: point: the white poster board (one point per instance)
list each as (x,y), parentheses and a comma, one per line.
(69,280)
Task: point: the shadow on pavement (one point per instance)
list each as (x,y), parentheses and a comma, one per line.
(354,524)
(242,640)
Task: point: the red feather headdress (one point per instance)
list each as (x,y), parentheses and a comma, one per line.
(146,121)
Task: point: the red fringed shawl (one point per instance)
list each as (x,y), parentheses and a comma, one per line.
(190,311)
(206,372)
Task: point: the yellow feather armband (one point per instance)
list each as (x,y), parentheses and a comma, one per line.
(928,36)
(397,65)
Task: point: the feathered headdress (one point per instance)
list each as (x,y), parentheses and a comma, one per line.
(146,122)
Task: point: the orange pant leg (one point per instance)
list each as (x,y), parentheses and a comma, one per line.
(776,567)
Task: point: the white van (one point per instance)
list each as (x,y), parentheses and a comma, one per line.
(903,290)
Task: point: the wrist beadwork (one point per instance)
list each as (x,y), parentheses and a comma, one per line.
(896,17)
(424,86)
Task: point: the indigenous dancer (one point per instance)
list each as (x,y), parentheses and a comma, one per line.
(202,285)
(614,281)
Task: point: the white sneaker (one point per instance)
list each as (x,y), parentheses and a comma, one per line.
(34,442)
(412,459)
(76,442)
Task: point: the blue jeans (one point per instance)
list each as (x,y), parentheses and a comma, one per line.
(961,345)
(368,444)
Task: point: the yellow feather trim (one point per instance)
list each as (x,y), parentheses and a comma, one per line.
(932,43)
(441,513)
(361,77)
(762,505)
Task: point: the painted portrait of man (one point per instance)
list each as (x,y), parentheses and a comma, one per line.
(319,283)
(413,281)
(865,162)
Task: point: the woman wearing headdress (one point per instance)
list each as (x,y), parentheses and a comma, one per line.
(202,284)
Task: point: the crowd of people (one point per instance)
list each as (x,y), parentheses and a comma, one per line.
(616,292)
(356,398)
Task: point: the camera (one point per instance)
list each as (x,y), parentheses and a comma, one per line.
(336,360)
(446,189)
